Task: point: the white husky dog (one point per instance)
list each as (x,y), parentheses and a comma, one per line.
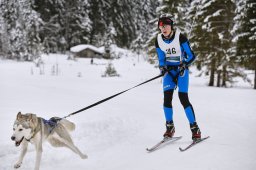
(28,128)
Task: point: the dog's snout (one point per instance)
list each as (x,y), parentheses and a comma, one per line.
(13,137)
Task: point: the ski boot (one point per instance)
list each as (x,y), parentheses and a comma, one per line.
(196,133)
(170,130)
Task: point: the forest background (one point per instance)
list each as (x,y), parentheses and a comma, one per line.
(222,33)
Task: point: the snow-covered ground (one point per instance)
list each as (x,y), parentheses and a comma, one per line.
(116,133)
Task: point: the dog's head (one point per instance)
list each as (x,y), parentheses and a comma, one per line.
(23,127)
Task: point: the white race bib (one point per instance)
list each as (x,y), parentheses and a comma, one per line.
(172,50)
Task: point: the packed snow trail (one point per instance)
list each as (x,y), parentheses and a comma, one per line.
(117,132)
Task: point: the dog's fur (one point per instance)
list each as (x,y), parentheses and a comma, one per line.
(28,128)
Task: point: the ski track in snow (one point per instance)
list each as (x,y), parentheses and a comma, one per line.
(116,133)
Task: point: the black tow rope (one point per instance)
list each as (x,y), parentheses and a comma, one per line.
(108,98)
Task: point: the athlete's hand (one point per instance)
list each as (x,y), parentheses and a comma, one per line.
(163,70)
(182,68)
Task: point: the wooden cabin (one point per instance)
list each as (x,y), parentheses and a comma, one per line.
(87,51)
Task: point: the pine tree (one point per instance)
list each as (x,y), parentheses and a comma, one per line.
(50,30)
(31,26)
(20,30)
(9,14)
(97,13)
(211,39)
(120,14)
(2,33)
(245,31)
(144,12)
(76,23)
(65,23)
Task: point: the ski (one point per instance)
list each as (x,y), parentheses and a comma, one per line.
(163,142)
(193,144)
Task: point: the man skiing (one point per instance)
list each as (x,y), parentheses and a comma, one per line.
(175,55)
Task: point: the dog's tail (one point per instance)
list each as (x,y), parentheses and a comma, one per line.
(70,126)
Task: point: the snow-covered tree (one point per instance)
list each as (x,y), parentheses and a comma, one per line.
(211,38)
(31,25)
(20,26)
(126,19)
(65,23)
(60,24)
(2,32)
(245,31)
(120,13)
(144,12)
(76,22)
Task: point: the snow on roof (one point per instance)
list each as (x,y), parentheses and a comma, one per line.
(81,47)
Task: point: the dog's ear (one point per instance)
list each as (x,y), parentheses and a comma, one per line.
(33,119)
(19,115)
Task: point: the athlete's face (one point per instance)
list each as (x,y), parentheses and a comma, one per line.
(165,30)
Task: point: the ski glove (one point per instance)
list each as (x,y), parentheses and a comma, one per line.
(182,69)
(163,70)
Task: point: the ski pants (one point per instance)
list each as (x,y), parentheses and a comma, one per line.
(169,84)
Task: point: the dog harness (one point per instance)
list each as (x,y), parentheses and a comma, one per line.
(52,123)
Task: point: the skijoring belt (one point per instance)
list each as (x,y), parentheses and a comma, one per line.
(169,68)
(180,72)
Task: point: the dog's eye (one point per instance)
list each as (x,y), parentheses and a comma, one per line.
(20,129)
(13,129)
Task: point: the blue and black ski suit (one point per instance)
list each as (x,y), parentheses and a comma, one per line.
(170,54)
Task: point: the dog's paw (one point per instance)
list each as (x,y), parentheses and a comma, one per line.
(84,156)
(17,165)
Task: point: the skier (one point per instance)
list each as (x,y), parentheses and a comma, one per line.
(175,55)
